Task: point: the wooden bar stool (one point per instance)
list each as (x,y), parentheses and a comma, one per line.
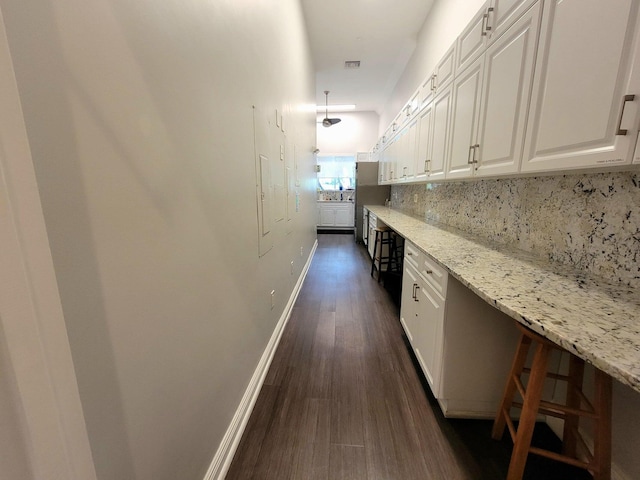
(384,237)
(574,448)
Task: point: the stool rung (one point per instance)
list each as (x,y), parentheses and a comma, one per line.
(519,385)
(559,457)
(556,376)
(559,411)
(510,426)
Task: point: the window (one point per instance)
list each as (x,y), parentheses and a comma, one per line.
(337,172)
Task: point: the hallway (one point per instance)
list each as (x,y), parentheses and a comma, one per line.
(343,399)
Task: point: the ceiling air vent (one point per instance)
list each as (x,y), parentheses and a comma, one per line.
(352,64)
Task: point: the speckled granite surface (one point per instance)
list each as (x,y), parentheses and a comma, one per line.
(597,320)
(589,221)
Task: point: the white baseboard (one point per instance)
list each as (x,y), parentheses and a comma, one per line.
(227,449)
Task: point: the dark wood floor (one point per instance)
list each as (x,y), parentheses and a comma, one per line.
(343,398)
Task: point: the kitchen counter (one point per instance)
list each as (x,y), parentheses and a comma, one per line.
(596,320)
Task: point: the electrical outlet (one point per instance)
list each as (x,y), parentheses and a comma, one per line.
(301,251)
(273,299)
(415,198)
(291,267)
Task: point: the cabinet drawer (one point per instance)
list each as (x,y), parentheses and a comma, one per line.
(430,270)
(434,274)
(412,255)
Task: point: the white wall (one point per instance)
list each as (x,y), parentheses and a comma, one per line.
(442,26)
(357,132)
(139,119)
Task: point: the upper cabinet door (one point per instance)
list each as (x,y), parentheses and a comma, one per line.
(506,91)
(502,14)
(465,113)
(423,157)
(440,133)
(445,69)
(584,104)
(473,40)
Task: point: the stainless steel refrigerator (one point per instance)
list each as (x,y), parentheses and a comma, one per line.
(368,192)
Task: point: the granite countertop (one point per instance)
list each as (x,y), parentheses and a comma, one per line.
(596,320)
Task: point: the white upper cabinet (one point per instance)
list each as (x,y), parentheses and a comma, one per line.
(489,103)
(584,105)
(502,14)
(425,127)
(506,90)
(473,40)
(441,77)
(440,133)
(465,114)
(491,21)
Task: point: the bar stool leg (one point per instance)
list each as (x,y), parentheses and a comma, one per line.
(510,388)
(602,433)
(574,385)
(375,248)
(529,412)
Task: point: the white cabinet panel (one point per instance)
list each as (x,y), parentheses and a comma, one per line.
(408,313)
(421,315)
(502,14)
(344,216)
(581,78)
(445,69)
(440,133)
(327,216)
(425,127)
(335,214)
(428,345)
(472,41)
(506,92)
(465,114)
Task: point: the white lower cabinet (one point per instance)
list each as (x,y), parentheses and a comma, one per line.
(336,214)
(464,345)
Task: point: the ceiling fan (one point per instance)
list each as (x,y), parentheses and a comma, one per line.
(327,122)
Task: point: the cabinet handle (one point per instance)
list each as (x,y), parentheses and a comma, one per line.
(413,294)
(428,272)
(625,99)
(471,155)
(416,294)
(409,253)
(433,82)
(485,17)
(488,27)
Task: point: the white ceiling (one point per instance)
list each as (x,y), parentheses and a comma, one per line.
(380,33)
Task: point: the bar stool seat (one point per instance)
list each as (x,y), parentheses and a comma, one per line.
(575,450)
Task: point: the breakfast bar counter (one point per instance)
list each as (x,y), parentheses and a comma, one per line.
(598,321)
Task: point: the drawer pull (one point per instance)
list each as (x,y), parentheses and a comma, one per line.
(428,272)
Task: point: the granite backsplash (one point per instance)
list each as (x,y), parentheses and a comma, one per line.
(590,221)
